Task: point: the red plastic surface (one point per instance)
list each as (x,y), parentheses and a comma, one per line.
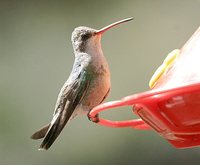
(173,113)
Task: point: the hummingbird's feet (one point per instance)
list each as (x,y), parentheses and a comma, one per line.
(94,119)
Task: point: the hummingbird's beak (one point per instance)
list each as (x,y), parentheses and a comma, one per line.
(101,31)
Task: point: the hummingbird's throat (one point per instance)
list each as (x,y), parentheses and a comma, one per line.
(93,45)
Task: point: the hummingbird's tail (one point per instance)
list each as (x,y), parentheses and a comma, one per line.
(54,130)
(40,133)
(51,132)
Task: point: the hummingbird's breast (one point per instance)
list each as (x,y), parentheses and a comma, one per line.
(100,84)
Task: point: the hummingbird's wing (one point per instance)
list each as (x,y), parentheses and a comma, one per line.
(71,96)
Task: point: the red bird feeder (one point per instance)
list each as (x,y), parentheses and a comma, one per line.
(172,106)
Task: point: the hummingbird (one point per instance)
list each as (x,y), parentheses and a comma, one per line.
(87,86)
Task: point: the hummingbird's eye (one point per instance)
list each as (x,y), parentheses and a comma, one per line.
(84,37)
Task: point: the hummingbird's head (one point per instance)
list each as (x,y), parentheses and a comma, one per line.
(81,36)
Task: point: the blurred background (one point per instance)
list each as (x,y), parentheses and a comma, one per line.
(36,58)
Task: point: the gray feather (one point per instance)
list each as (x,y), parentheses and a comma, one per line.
(71,96)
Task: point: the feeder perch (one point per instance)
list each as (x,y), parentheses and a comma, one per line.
(172,106)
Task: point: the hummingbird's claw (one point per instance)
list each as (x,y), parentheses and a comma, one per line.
(94,119)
